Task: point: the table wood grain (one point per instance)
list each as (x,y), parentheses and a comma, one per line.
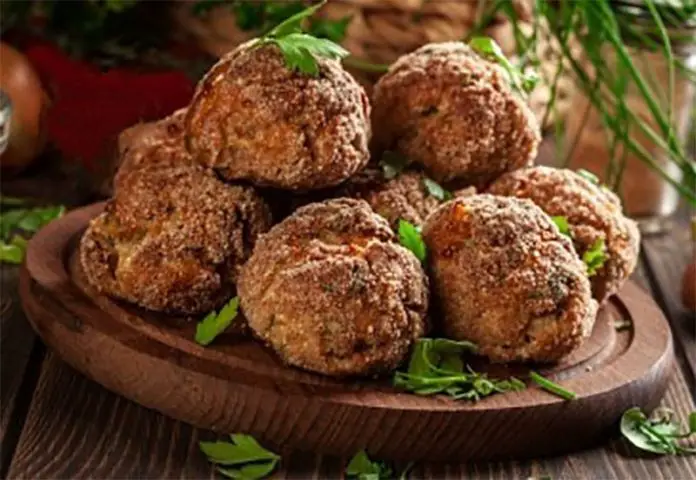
(55,423)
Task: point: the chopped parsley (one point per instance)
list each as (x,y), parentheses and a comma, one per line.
(436,190)
(562,224)
(659,434)
(392,164)
(215,323)
(436,366)
(410,237)
(595,257)
(243,458)
(489,49)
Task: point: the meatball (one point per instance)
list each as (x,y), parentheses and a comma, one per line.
(331,290)
(253,118)
(454,113)
(405,196)
(173,240)
(507,279)
(593,213)
(152,145)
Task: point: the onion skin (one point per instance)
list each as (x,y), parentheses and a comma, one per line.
(689,286)
(20,82)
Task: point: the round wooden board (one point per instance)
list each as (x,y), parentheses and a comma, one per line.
(235,385)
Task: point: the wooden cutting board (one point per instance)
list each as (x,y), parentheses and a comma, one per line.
(236,385)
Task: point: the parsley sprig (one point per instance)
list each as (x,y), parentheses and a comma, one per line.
(563,225)
(245,457)
(436,366)
(361,467)
(551,386)
(522,82)
(215,323)
(19,223)
(301,50)
(595,257)
(436,190)
(410,237)
(392,164)
(659,434)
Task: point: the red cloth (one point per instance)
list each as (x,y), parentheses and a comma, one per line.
(90,108)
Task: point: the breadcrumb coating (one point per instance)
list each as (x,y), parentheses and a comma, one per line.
(592,211)
(152,145)
(254,119)
(452,112)
(331,291)
(173,240)
(505,278)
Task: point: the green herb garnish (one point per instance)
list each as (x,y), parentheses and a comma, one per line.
(563,225)
(410,237)
(595,257)
(18,223)
(13,252)
(488,48)
(362,468)
(657,435)
(436,190)
(215,323)
(550,386)
(587,175)
(436,366)
(248,459)
(392,164)
(300,49)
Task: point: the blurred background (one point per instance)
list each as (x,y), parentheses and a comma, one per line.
(616,95)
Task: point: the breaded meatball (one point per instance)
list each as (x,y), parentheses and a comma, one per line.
(454,113)
(152,145)
(405,196)
(252,118)
(593,212)
(507,279)
(331,290)
(173,240)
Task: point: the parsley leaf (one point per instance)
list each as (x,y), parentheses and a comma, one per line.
(250,460)
(13,252)
(550,386)
(563,225)
(392,164)
(300,50)
(657,435)
(488,48)
(595,257)
(410,237)
(215,323)
(363,468)
(22,221)
(436,367)
(436,190)
(587,175)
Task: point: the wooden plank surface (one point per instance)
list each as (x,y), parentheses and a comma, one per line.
(77,429)
(665,257)
(17,340)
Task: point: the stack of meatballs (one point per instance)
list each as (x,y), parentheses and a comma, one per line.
(268,186)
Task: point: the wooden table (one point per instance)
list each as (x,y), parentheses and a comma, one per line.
(55,423)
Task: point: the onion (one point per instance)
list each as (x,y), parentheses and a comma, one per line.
(21,83)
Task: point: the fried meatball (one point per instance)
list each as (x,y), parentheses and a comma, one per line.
(331,290)
(507,279)
(252,118)
(405,196)
(173,240)
(593,213)
(152,145)
(452,112)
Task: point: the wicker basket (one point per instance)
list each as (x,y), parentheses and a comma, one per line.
(382,30)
